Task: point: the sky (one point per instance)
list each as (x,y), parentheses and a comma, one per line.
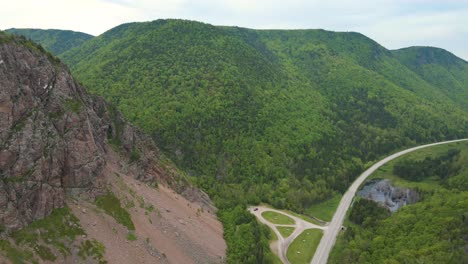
(392,23)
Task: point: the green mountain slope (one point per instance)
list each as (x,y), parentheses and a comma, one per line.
(440,68)
(283,117)
(54,40)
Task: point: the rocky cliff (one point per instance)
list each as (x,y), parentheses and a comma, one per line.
(55,139)
(391,197)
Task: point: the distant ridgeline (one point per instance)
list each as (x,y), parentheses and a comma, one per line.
(286,117)
(53,40)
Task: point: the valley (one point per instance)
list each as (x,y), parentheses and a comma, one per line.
(276,220)
(160,136)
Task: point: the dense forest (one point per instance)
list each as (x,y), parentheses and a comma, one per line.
(438,68)
(285,117)
(432,230)
(53,40)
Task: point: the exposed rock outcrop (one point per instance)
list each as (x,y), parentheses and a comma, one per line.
(55,138)
(389,196)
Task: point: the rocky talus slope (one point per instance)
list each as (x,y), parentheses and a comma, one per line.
(57,142)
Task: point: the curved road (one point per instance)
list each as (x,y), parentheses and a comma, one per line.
(283,243)
(329,236)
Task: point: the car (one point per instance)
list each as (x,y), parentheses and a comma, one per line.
(255,209)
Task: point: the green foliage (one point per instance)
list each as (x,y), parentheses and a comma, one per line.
(417,170)
(55,41)
(131,236)
(288,118)
(61,225)
(277,218)
(285,231)
(432,230)
(73,105)
(5,38)
(94,249)
(248,241)
(27,43)
(367,213)
(44,252)
(56,232)
(302,249)
(111,205)
(15,255)
(326,209)
(439,68)
(135,155)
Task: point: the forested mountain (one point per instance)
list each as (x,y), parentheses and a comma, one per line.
(440,68)
(54,40)
(287,117)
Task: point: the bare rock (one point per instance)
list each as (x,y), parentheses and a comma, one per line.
(54,139)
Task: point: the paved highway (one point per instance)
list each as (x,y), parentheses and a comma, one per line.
(329,236)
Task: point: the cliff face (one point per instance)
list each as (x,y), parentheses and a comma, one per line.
(54,137)
(387,195)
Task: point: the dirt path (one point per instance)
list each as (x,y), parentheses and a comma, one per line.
(283,243)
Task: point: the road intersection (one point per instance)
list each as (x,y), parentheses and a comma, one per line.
(283,243)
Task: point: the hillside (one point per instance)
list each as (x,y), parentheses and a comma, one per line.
(440,68)
(80,184)
(53,40)
(432,230)
(286,117)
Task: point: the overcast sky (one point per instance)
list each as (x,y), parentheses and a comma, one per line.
(392,23)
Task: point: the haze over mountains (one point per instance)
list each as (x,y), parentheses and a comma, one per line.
(53,40)
(286,117)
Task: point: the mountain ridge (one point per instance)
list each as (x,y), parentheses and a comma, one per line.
(56,41)
(289,118)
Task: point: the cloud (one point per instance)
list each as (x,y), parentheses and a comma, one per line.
(85,15)
(445,29)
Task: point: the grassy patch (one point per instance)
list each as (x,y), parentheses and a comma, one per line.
(93,249)
(270,256)
(301,216)
(277,218)
(111,205)
(131,236)
(57,231)
(285,231)
(303,247)
(73,105)
(16,256)
(326,209)
(44,252)
(305,218)
(135,155)
(59,226)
